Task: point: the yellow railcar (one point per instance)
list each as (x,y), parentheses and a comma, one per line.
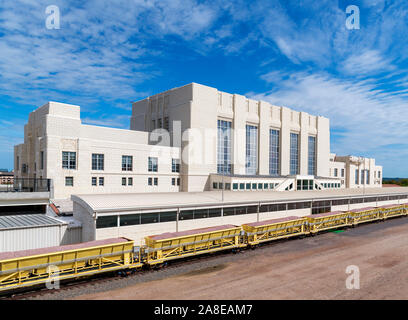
(393,210)
(38,266)
(169,246)
(362,215)
(327,221)
(274,229)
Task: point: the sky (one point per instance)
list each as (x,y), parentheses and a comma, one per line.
(299,54)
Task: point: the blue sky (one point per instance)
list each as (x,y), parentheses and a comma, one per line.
(293,53)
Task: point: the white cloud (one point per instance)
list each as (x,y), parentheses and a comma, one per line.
(116,121)
(370,117)
(100,50)
(368,62)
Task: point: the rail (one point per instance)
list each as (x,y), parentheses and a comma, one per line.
(27,185)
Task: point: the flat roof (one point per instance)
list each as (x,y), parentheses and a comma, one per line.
(27,221)
(272,221)
(170,235)
(41,251)
(145,201)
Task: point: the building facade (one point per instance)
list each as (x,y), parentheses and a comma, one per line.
(6,177)
(81,158)
(246,144)
(193,138)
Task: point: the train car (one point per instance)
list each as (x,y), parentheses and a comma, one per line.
(170,246)
(327,221)
(362,215)
(393,210)
(274,229)
(37,266)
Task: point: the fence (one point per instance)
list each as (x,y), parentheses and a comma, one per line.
(27,185)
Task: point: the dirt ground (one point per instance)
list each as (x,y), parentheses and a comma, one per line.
(310,268)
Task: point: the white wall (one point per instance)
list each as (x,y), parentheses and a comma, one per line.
(37,237)
(56,127)
(199,107)
(138,232)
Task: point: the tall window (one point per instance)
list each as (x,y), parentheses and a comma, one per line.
(68,160)
(356,182)
(274,151)
(312,156)
(153,164)
(368,176)
(251,149)
(224,147)
(127,163)
(98,161)
(175,165)
(294,153)
(362,176)
(342,173)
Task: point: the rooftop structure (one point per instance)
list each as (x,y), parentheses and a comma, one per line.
(33,231)
(26,221)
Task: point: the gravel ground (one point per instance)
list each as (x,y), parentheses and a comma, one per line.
(309,268)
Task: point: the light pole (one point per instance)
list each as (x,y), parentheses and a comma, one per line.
(365,178)
(222,191)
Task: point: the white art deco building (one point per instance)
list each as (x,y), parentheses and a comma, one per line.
(193,138)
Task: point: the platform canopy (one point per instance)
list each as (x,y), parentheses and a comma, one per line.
(141,201)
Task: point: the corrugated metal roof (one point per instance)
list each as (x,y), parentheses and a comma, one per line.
(27,220)
(139,201)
